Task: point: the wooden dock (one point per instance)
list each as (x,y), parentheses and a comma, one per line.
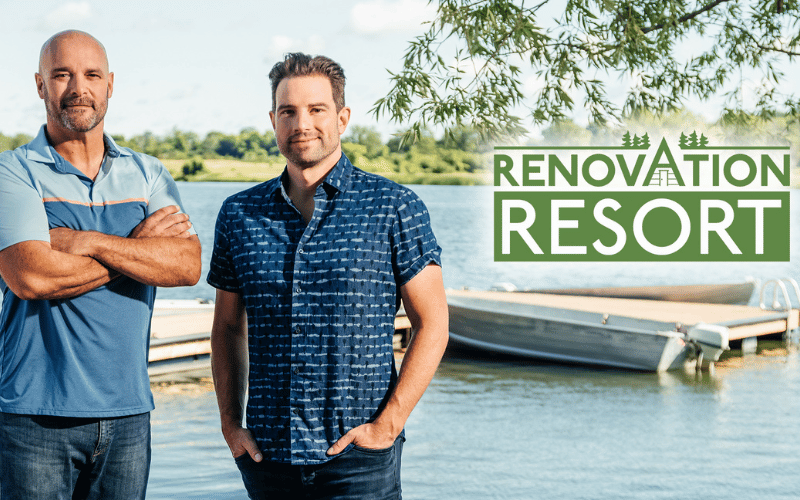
(180,337)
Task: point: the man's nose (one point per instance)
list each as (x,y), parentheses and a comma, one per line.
(77,85)
(303,120)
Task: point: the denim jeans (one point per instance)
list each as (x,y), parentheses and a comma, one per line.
(357,474)
(74,458)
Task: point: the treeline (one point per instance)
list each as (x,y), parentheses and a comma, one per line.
(458,152)
(13,142)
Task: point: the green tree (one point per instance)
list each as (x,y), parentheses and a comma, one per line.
(566,133)
(463,138)
(366,136)
(8,143)
(468,68)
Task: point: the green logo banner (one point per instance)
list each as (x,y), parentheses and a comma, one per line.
(643,200)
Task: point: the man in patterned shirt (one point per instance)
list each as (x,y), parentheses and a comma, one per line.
(310,268)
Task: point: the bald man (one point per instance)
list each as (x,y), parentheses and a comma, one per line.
(88,229)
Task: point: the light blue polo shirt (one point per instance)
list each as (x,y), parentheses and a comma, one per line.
(85,356)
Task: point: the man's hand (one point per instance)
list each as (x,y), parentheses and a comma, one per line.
(166,222)
(71,241)
(240,441)
(372,436)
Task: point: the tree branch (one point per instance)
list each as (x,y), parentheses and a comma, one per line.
(687,17)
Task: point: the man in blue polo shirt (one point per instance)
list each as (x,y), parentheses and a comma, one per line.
(310,268)
(87,231)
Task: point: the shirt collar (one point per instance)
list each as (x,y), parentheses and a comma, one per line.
(40,150)
(337,180)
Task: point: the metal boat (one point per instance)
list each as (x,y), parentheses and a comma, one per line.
(624,333)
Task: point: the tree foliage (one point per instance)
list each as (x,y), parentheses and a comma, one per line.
(468,67)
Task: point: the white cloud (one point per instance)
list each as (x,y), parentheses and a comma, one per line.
(280,45)
(379,16)
(68,15)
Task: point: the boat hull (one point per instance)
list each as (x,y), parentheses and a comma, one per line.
(565,335)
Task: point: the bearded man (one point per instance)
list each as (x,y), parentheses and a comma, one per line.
(88,229)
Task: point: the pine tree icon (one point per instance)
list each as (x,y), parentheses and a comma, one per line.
(683,141)
(703,141)
(626,139)
(645,141)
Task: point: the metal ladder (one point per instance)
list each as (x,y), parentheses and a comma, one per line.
(792,336)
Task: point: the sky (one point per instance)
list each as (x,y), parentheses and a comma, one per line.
(202,65)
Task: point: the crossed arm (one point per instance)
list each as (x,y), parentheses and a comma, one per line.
(426,306)
(159,252)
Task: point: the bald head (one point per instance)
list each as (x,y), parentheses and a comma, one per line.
(74,82)
(52,44)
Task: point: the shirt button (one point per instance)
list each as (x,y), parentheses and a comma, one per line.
(297,330)
(295,411)
(296,370)
(297,290)
(300,249)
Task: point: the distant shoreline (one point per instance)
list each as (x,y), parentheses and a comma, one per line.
(228,170)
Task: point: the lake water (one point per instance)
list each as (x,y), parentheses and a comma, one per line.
(514,429)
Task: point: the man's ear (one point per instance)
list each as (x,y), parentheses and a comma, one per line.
(110,84)
(343,118)
(39,84)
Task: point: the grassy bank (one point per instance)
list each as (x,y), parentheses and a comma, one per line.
(228,170)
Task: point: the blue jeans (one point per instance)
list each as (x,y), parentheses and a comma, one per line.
(46,457)
(357,474)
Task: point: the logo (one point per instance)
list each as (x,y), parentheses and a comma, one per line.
(642,201)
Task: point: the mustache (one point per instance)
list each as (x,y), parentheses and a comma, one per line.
(77,101)
(301,137)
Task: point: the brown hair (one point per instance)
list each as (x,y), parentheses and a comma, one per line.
(299,64)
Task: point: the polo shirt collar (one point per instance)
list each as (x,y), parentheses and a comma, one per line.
(40,150)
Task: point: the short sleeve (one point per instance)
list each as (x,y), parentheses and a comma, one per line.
(164,192)
(23,215)
(413,244)
(221,274)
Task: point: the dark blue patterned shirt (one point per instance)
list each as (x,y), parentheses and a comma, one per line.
(321,300)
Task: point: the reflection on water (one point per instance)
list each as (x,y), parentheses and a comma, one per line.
(503,428)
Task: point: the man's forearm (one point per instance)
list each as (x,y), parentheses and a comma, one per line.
(153,261)
(34,271)
(426,305)
(158,252)
(419,366)
(229,359)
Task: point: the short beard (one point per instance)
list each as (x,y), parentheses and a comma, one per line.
(75,123)
(303,159)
